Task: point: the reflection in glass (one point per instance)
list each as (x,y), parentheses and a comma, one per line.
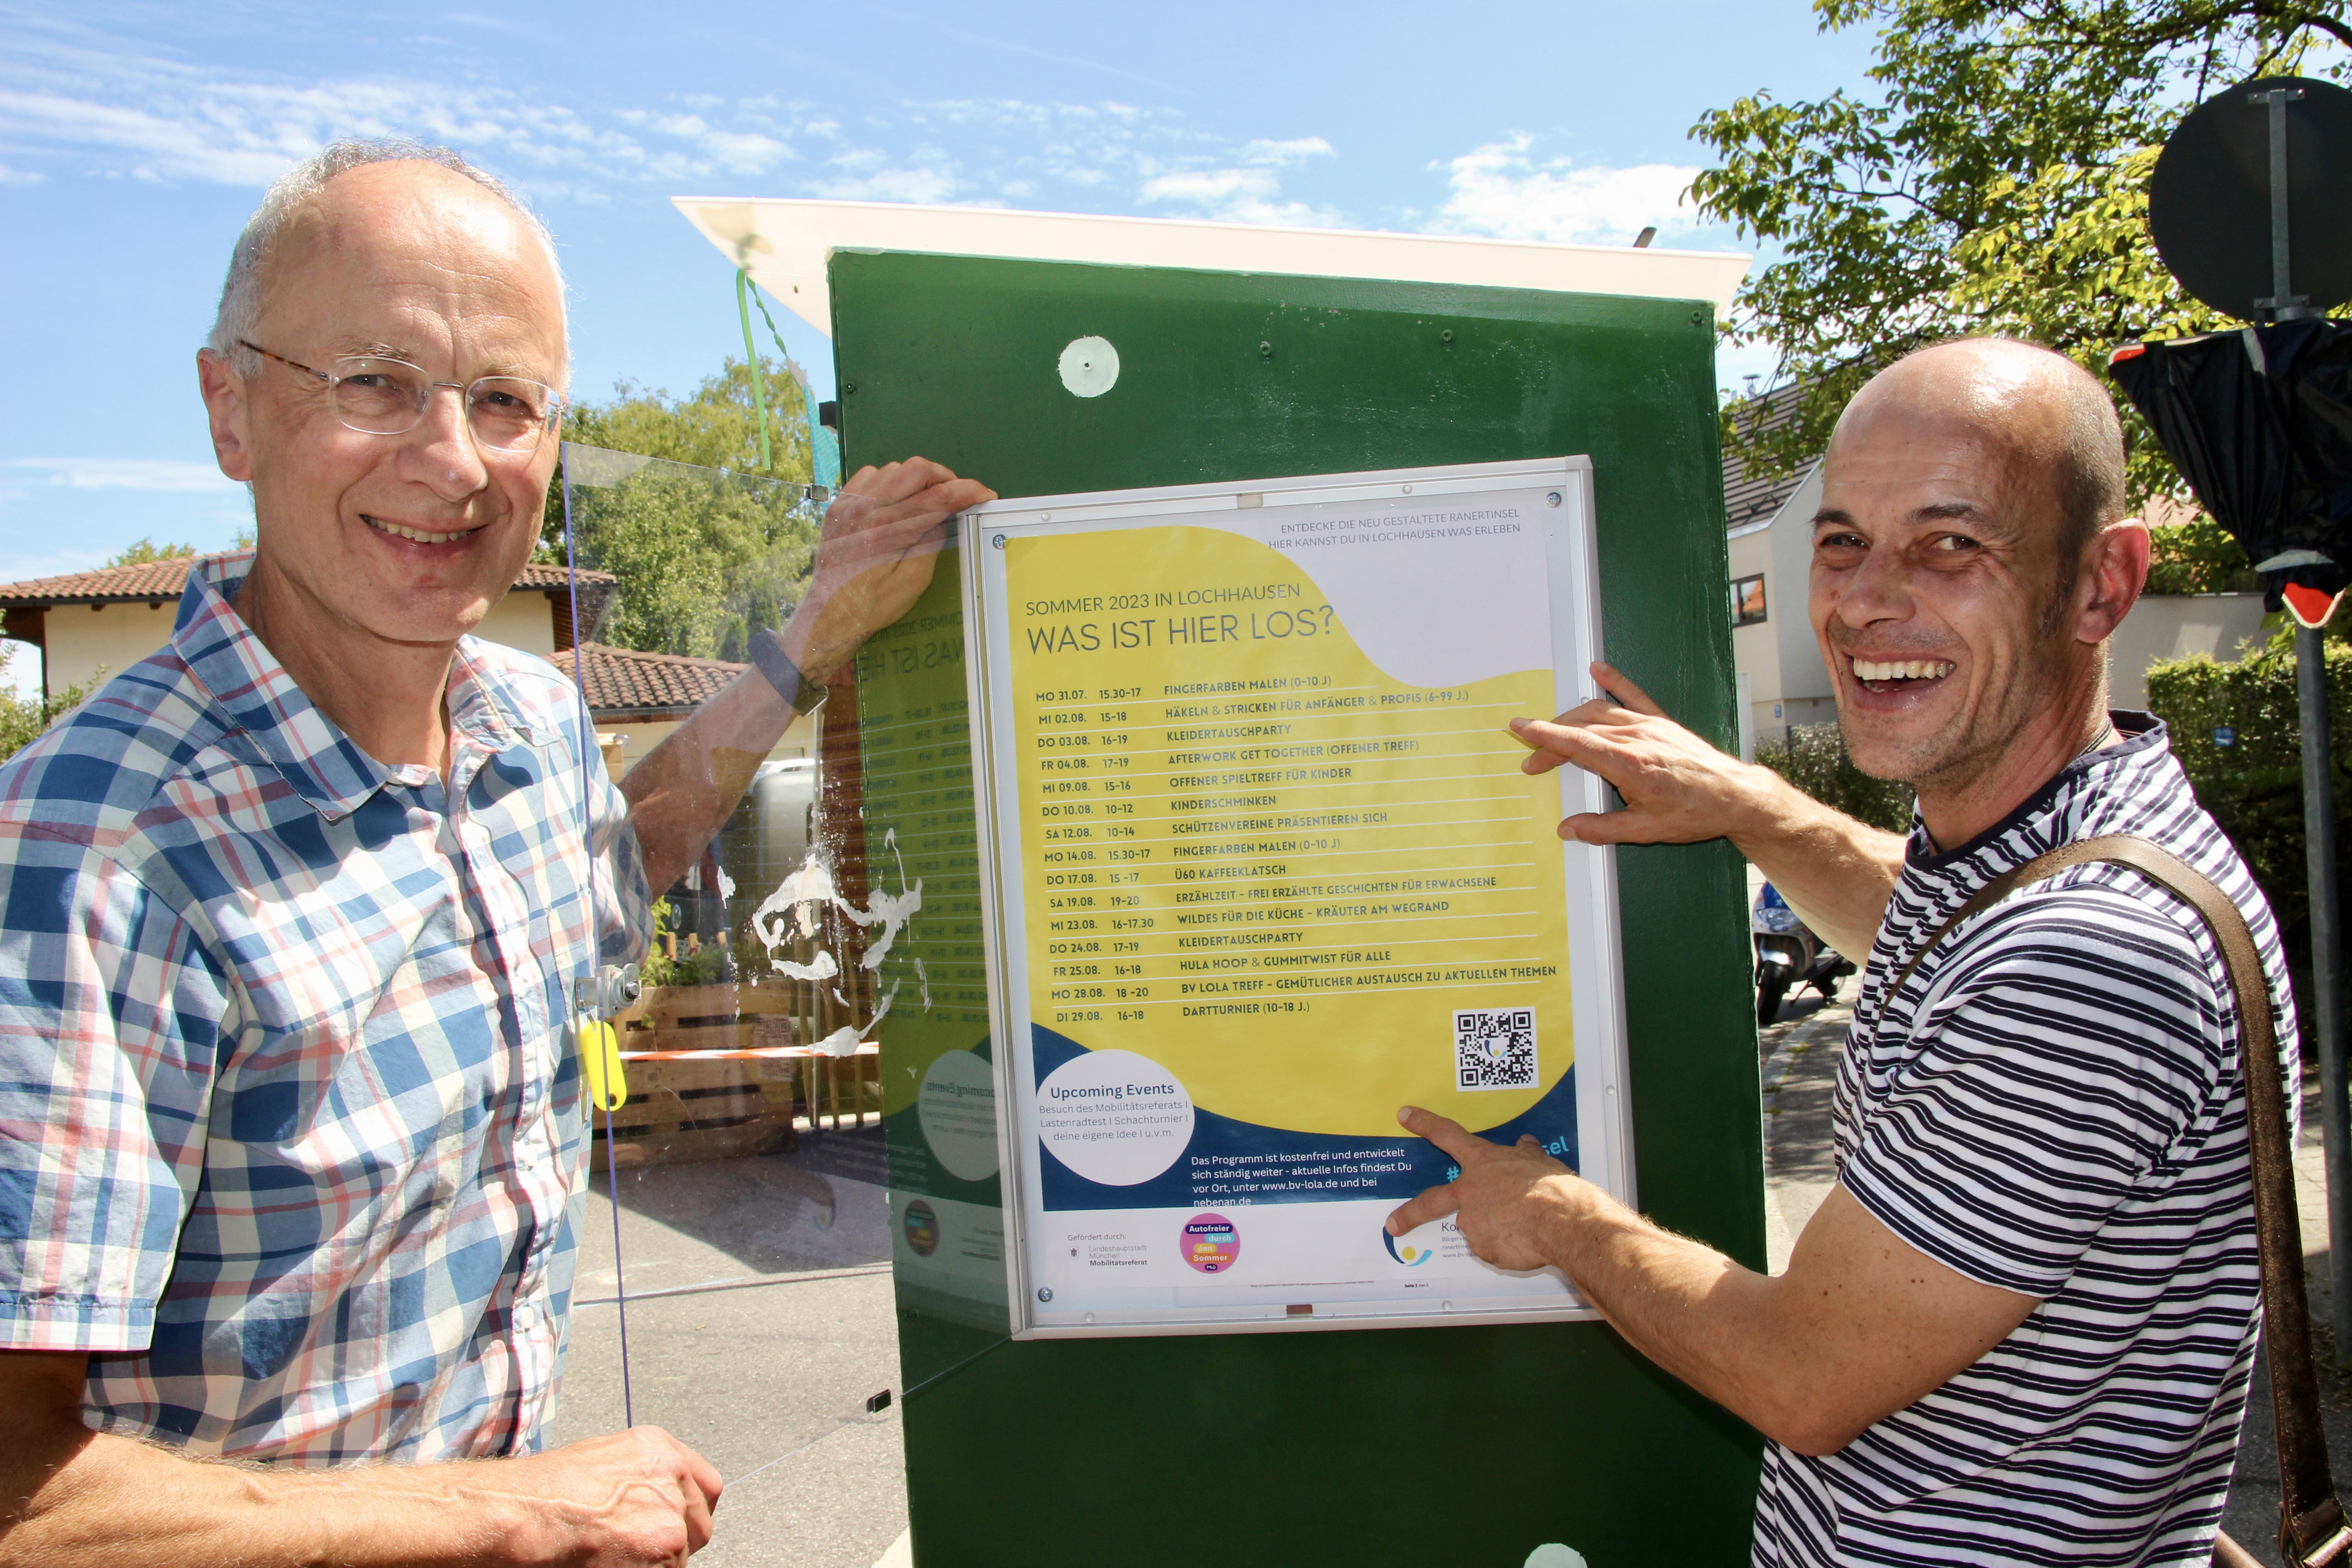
(736,1206)
(913,781)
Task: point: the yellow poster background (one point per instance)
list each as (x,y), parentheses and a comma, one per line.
(1251,855)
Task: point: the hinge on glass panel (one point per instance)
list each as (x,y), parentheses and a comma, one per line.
(602,993)
(596,997)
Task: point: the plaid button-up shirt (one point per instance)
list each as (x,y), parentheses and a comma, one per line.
(291,1131)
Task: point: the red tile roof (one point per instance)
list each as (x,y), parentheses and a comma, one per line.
(623,682)
(154,580)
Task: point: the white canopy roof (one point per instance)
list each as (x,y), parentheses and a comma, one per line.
(785,245)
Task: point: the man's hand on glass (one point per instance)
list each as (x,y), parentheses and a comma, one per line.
(1677,789)
(883,534)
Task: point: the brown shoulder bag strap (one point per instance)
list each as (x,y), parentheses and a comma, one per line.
(2312,1525)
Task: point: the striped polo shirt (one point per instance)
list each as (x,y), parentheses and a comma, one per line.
(2053,1104)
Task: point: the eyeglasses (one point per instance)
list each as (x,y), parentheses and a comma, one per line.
(380,396)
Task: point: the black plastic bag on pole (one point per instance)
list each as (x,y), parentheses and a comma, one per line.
(2259,423)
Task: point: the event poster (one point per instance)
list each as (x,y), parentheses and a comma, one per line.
(1265,868)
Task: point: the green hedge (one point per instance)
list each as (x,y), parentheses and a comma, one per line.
(2253,788)
(1814,758)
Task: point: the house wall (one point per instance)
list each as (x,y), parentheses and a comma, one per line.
(81,639)
(2177,626)
(1756,650)
(521,620)
(1787,683)
(638,737)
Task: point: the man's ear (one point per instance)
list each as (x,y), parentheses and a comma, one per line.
(226,411)
(2115,571)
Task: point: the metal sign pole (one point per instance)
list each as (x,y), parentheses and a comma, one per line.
(2284,304)
(2319,814)
(2326,968)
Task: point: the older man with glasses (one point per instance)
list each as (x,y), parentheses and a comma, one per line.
(292,919)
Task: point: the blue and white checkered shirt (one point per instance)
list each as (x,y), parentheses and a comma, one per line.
(289,1127)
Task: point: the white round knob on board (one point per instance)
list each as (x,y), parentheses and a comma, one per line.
(1552,1555)
(1090,366)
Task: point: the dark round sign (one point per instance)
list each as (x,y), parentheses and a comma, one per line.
(2209,202)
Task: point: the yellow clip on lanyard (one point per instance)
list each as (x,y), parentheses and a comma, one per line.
(600,1062)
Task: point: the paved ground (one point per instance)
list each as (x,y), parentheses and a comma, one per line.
(759,1321)
(1799,1074)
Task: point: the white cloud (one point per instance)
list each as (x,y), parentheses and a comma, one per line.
(927,176)
(120,111)
(156,474)
(160,146)
(744,153)
(1283,153)
(1502,190)
(111,107)
(1245,190)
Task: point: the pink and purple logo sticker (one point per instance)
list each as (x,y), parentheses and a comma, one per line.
(1212,1243)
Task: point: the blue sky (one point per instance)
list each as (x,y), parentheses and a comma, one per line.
(134,140)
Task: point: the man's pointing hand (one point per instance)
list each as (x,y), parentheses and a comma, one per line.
(1507,1198)
(1677,789)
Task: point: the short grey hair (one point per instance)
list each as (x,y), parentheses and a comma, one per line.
(240,301)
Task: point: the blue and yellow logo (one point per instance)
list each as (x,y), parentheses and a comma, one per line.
(1406,1252)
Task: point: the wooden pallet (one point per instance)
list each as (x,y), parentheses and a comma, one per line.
(718,1072)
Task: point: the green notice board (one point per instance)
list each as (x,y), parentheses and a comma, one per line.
(1468,1447)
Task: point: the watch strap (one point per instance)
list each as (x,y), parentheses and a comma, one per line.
(796,689)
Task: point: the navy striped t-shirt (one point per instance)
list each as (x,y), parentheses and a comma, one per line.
(2053,1105)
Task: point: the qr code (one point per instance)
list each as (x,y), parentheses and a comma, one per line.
(1494,1047)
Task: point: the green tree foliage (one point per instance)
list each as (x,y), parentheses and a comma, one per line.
(146,551)
(704,965)
(2198,557)
(712,428)
(2253,785)
(1993,178)
(22,719)
(1814,759)
(705,558)
(709,550)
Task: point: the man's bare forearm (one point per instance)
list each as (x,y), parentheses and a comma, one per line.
(1683,1305)
(70,1498)
(880,546)
(1837,873)
(118,1503)
(681,794)
(1859,1326)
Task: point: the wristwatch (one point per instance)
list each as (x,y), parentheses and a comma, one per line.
(795,688)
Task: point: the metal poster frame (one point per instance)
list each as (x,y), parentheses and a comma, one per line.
(1559,491)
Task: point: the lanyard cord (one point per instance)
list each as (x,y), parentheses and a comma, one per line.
(824,455)
(751,366)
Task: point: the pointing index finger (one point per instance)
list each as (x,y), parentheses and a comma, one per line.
(1445,1132)
(1619,685)
(1434,1204)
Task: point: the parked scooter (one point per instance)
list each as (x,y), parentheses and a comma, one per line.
(1789,955)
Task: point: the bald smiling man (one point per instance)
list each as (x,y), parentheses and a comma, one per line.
(291,1131)
(2020,1327)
